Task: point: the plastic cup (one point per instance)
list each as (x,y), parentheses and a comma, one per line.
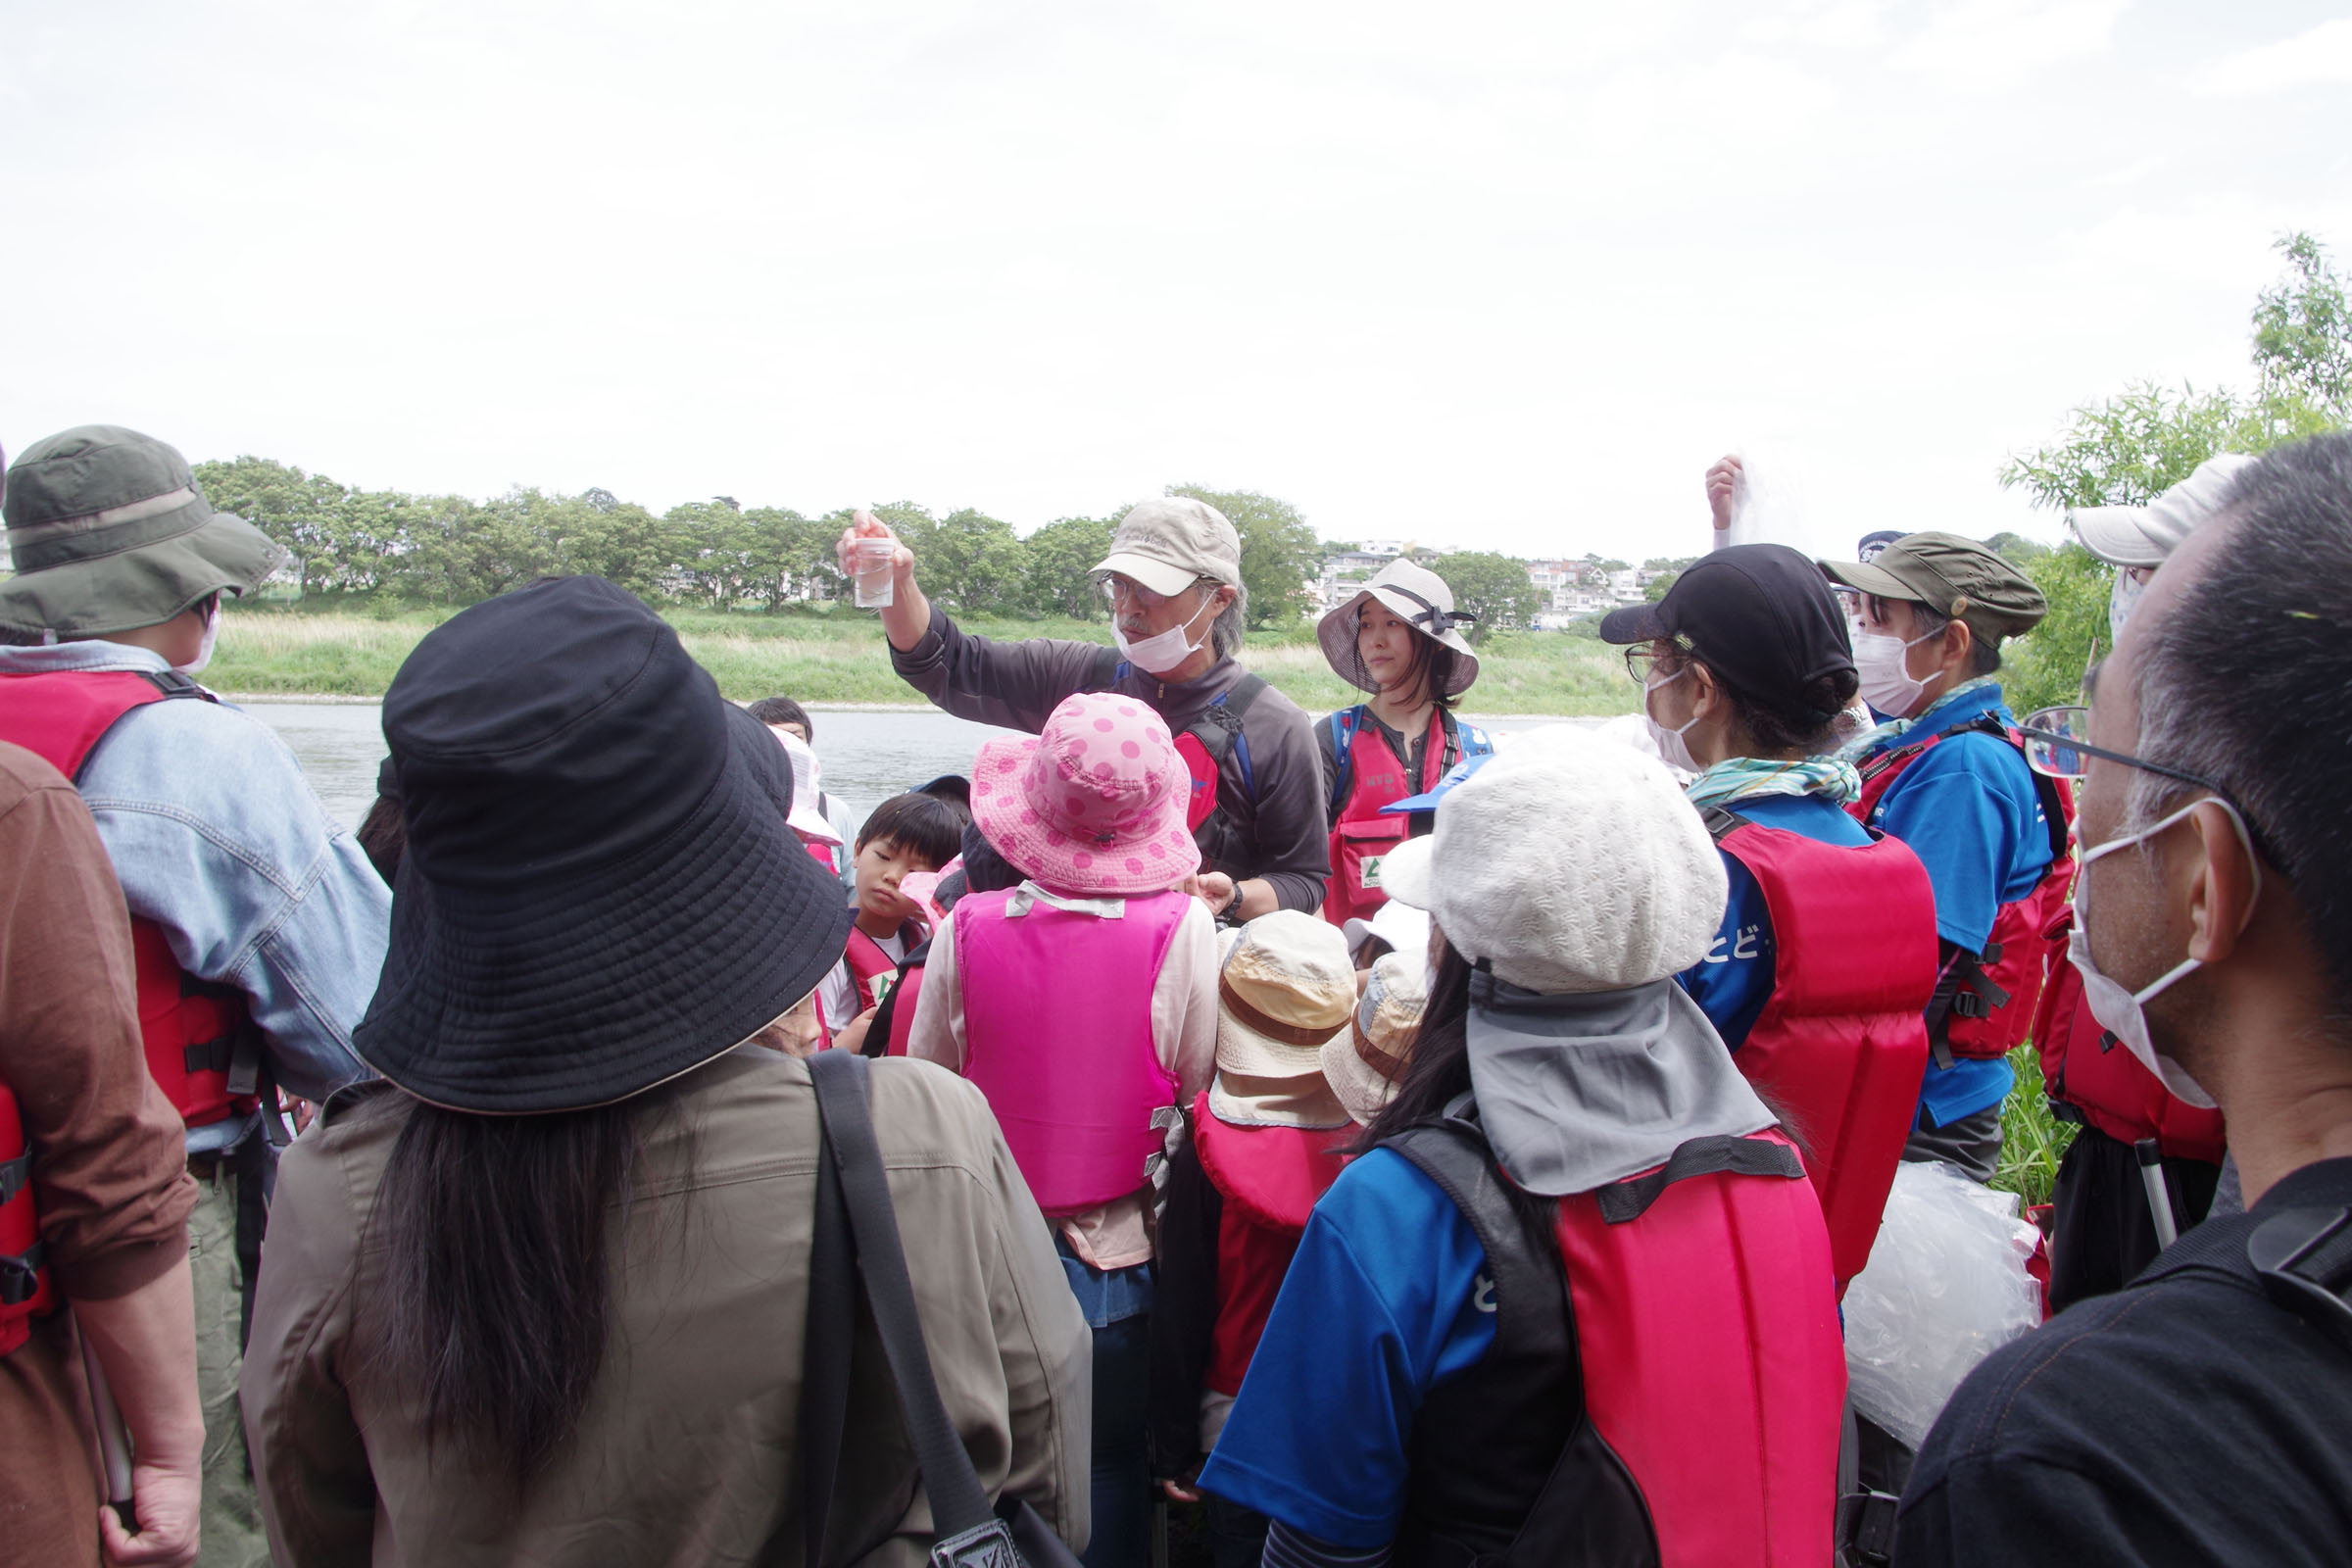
(870,564)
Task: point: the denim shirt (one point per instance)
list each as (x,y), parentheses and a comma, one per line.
(217,837)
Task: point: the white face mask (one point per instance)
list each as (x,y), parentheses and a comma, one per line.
(1883,666)
(2117,1009)
(1673,749)
(204,650)
(1165,650)
(2120,600)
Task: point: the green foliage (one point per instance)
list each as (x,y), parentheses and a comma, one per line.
(1493,587)
(2129,448)
(2017,548)
(1061,556)
(2046,665)
(2032,1140)
(1280,554)
(1658,586)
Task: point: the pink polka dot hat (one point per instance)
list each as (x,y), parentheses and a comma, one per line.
(1093,804)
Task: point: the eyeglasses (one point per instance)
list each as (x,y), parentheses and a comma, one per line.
(1116,588)
(1640,657)
(2055,747)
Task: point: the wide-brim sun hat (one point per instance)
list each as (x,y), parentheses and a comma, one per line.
(1364,1064)
(1395,923)
(600,892)
(807,780)
(1093,802)
(109,532)
(1285,988)
(1570,864)
(1420,599)
(2143,536)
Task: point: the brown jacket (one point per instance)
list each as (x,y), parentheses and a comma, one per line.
(109,1172)
(686,1454)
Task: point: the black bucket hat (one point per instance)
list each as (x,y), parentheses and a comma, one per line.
(599,891)
(108,530)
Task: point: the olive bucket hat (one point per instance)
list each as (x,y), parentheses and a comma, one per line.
(1953,576)
(108,531)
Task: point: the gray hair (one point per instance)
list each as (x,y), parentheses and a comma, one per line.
(1226,631)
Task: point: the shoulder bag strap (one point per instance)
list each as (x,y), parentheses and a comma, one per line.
(958,1504)
(829,1335)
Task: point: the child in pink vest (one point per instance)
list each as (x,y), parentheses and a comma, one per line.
(1083,1003)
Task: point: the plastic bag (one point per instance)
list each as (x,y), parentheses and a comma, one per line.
(1945,1286)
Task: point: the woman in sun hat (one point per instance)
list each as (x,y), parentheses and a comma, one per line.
(1825,960)
(1365,1064)
(1083,1002)
(1397,639)
(1573,1304)
(1266,1141)
(538,1295)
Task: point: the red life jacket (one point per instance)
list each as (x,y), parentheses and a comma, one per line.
(194,1031)
(1370,776)
(908,992)
(27,1289)
(1268,1178)
(1214,737)
(2083,1066)
(868,964)
(1842,1041)
(1665,1388)
(1057,1034)
(1992,1011)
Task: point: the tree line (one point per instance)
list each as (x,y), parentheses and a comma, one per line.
(716,554)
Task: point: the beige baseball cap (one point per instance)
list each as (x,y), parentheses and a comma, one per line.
(1170,543)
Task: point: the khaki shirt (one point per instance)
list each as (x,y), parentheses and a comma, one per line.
(686,1451)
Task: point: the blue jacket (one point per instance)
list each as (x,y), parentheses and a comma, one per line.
(217,837)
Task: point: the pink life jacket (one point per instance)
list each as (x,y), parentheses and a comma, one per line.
(1268,1178)
(194,1031)
(1993,1009)
(2083,1066)
(1057,1034)
(1841,1044)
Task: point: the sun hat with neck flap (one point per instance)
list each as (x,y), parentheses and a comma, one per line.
(1569,863)
(109,532)
(599,891)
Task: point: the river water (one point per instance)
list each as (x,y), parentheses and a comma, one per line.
(867,756)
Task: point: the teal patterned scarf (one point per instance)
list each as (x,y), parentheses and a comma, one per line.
(1741,777)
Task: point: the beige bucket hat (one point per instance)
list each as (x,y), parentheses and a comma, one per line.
(1286,987)
(1363,1064)
(1420,598)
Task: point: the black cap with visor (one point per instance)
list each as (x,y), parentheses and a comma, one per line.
(1761,617)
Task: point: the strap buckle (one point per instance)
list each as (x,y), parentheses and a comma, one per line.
(1866,1528)
(985,1545)
(21,1274)
(14,1176)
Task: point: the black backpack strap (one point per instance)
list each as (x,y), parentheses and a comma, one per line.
(1720,1153)
(886,1012)
(1106,671)
(2303,1257)
(1721,824)
(172,684)
(967,1531)
(1454,1153)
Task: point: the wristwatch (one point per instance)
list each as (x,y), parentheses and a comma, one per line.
(1226,915)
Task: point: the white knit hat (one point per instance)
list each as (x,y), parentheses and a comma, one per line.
(1569,864)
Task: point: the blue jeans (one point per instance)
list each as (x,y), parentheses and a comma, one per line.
(1117,1303)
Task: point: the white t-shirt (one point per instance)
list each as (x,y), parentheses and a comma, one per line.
(837,993)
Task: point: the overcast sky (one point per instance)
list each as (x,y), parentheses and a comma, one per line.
(1500,276)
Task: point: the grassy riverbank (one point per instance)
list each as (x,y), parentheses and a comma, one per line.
(839,656)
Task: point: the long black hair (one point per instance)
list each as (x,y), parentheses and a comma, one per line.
(496,1294)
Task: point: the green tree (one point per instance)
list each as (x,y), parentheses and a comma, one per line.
(1059,555)
(303,512)
(2128,448)
(1493,587)
(1281,556)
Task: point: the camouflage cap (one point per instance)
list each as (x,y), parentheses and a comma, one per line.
(108,531)
(1952,576)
